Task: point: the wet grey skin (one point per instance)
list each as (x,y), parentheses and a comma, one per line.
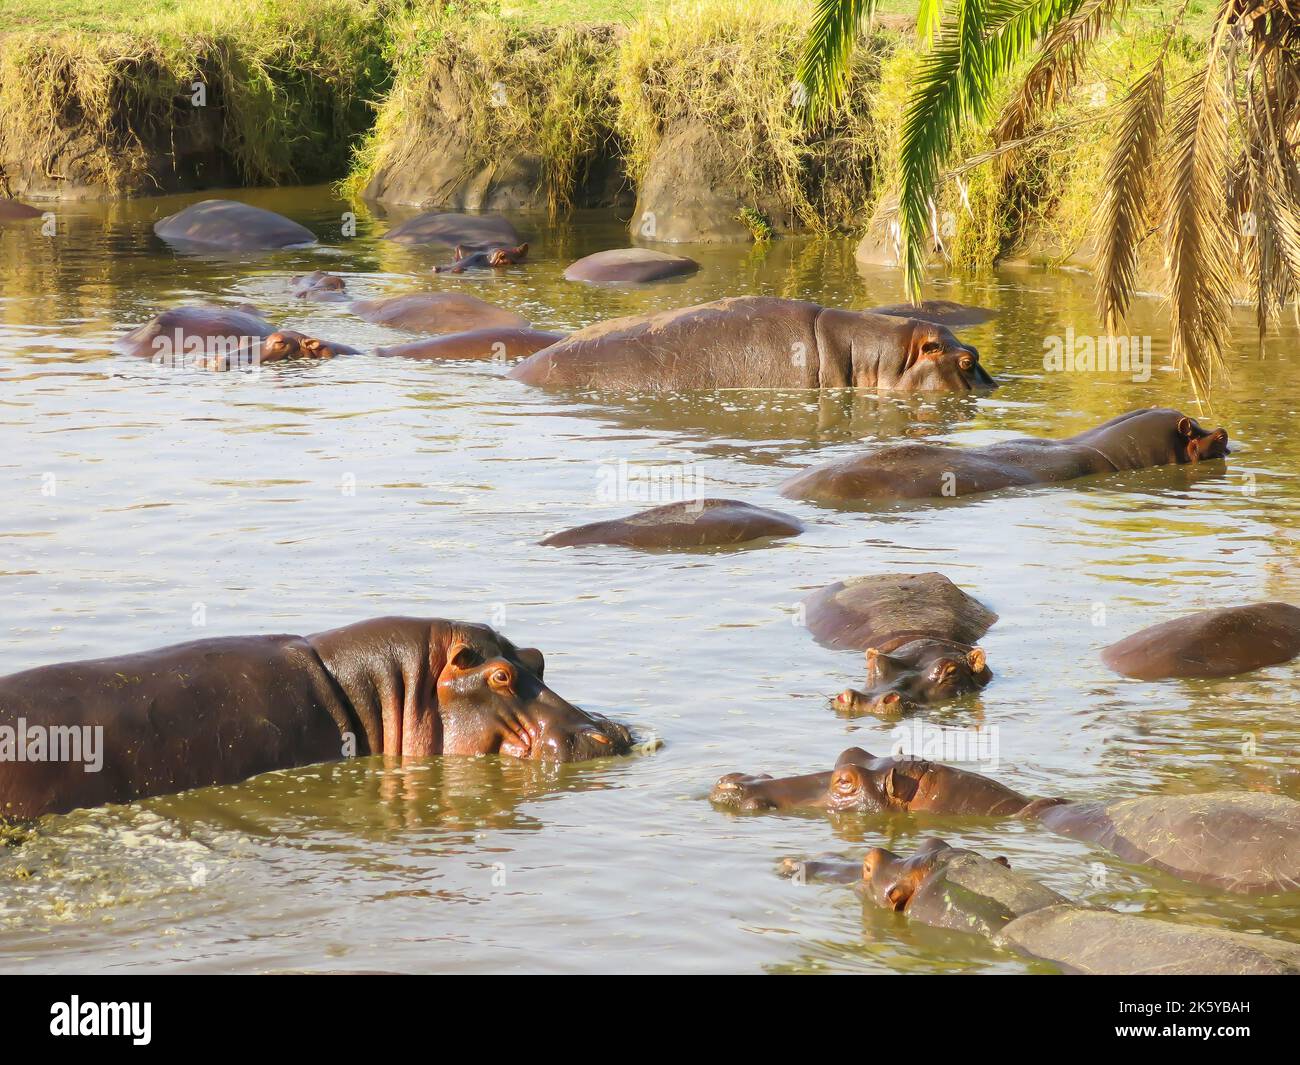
(963,891)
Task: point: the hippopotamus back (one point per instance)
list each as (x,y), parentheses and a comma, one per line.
(883,610)
(1246,842)
(755,342)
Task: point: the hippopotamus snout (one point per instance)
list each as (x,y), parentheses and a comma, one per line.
(569,734)
(761,791)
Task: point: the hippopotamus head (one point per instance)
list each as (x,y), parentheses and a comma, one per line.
(862,782)
(917,672)
(902,354)
(504,256)
(855,783)
(491,698)
(892,881)
(1157,436)
(1198,444)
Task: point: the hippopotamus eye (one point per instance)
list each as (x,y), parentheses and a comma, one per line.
(944,670)
(846,781)
(501,678)
(966,361)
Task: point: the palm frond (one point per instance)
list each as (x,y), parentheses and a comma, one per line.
(1198,237)
(823,71)
(955,83)
(1123,212)
(929,18)
(1056,70)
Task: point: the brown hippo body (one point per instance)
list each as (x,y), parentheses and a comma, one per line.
(16,211)
(1133,441)
(758,342)
(629,266)
(226,225)
(488,259)
(1213,643)
(691,523)
(220,710)
(437,312)
(221,338)
(918,632)
(497,343)
(1243,842)
(320,287)
(962,891)
(476,232)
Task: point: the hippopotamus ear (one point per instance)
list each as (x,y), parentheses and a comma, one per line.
(522,250)
(899,786)
(1186,427)
(1002,861)
(977,660)
(897,896)
(459,252)
(532,660)
(879,664)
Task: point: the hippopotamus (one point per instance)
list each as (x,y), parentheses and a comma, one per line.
(489,259)
(475,232)
(940,312)
(758,342)
(221,338)
(629,266)
(689,523)
(1213,643)
(1244,842)
(963,891)
(500,343)
(1132,441)
(231,226)
(918,632)
(437,312)
(221,710)
(319,287)
(16,211)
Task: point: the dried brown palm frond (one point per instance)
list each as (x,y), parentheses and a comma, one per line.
(1200,242)
(1123,217)
(1057,68)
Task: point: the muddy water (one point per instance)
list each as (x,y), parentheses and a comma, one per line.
(145,507)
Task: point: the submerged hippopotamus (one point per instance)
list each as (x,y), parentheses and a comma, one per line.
(629,266)
(1133,441)
(220,710)
(689,523)
(940,312)
(489,259)
(221,338)
(231,226)
(437,312)
(16,211)
(963,891)
(496,343)
(918,632)
(480,232)
(759,342)
(1213,643)
(320,287)
(1244,842)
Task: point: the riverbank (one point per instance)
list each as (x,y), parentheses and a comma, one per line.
(683,116)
